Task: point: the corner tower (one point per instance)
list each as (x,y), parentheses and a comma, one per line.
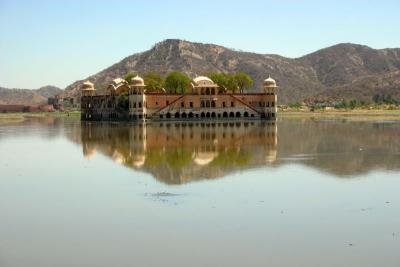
(270,87)
(137,98)
(87,105)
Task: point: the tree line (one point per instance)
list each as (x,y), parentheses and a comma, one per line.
(179,82)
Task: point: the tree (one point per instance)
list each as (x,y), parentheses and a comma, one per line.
(123,102)
(243,81)
(219,78)
(177,82)
(234,82)
(129,76)
(354,103)
(154,82)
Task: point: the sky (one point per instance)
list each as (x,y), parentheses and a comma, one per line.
(56,42)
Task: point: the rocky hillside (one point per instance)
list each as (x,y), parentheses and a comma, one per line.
(341,70)
(27,96)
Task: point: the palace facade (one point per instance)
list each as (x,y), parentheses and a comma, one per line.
(205,101)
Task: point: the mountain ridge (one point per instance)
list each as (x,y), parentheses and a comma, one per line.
(325,72)
(38,96)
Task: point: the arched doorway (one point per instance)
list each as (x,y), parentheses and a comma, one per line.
(231,114)
(225,115)
(191,115)
(184,116)
(245,114)
(208,114)
(168,115)
(177,115)
(203,115)
(213,115)
(238,115)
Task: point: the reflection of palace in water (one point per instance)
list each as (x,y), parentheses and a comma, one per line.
(181,152)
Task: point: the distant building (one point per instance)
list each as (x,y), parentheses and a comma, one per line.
(205,101)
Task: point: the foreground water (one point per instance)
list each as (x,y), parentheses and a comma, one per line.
(294,193)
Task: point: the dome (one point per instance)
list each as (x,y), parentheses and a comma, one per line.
(138,161)
(269,82)
(137,81)
(118,157)
(204,158)
(202,79)
(88,86)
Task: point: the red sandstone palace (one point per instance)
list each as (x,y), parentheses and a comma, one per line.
(205,101)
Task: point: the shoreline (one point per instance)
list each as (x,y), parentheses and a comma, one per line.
(355,115)
(22,116)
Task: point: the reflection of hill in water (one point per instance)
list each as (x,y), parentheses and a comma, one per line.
(176,153)
(342,148)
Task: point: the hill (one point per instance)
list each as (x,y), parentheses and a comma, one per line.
(27,96)
(343,70)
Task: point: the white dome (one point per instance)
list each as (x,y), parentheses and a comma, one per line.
(137,81)
(88,86)
(204,158)
(202,79)
(138,161)
(118,157)
(269,82)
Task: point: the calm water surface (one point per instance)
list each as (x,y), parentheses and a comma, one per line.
(292,193)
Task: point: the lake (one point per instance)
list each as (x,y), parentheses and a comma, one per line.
(298,192)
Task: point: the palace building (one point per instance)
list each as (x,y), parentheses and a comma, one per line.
(206,100)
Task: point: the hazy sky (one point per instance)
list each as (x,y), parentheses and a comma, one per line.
(58,42)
